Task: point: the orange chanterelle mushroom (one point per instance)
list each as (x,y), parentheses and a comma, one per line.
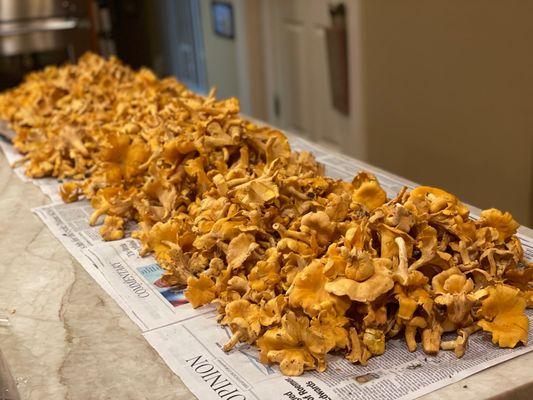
(298,264)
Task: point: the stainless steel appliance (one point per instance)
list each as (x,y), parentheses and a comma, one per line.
(34,33)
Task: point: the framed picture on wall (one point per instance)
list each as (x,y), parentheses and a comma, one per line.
(223,19)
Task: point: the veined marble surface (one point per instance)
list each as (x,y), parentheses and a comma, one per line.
(69,340)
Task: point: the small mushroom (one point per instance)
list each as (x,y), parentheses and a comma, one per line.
(243,319)
(459,344)
(70,191)
(367,191)
(502,222)
(200,290)
(113,228)
(502,314)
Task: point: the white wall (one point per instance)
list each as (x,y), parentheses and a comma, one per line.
(220,56)
(235,66)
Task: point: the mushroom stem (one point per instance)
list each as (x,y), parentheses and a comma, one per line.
(410,332)
(402,255)
(237,182)
(358,352)
(431,339)
(459,344)
(154,155)
(96,214)
(296,193)
(289,233)
(463,251)
(233,341)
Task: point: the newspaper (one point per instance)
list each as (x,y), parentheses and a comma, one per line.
(197,357)
(190,341)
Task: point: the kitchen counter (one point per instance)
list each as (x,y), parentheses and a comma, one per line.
(69,340)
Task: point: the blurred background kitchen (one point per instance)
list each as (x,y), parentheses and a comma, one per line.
(440,92)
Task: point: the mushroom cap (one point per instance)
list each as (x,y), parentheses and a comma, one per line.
(309,292)
(366,291)
(503,222)
(502,313)
(200,290)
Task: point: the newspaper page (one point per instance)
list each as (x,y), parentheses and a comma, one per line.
(193,350)
(190,341)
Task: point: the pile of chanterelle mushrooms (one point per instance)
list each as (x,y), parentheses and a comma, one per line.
(299,264)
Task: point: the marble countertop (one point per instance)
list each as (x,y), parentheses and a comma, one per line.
(69,340)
